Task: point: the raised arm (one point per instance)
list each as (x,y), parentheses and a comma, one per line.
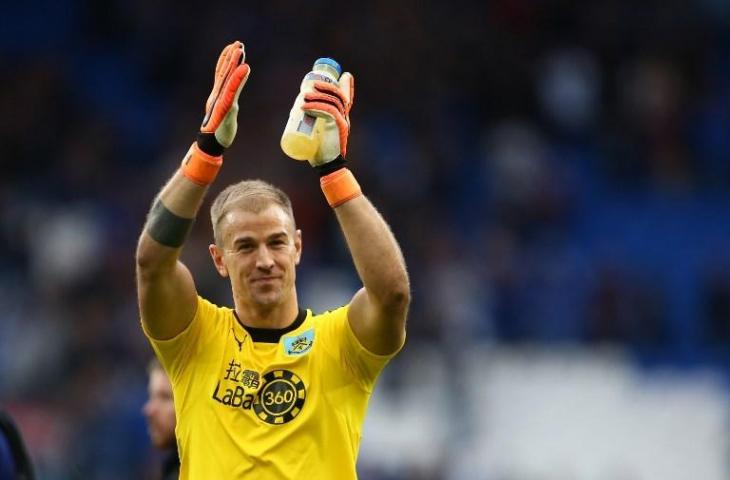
(378,310)
(165,287)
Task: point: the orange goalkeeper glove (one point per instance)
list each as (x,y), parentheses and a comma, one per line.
(333,103)
(220,123)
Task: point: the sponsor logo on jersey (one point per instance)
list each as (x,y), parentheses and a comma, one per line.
(299,344)
(236,380)
(236,373)
(281,397)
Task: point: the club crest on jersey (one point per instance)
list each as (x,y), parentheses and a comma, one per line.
(299,344)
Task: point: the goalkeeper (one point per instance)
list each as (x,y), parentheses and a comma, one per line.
(267,389)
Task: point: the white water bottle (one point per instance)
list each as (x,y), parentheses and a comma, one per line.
(300,139)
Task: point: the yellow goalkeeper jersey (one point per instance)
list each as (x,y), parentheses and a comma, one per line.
(268,404)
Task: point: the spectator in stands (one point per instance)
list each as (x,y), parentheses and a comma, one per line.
(160,414)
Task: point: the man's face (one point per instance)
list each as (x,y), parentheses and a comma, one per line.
(260,252)
(160,410)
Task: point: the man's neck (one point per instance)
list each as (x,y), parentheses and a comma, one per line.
(263,316)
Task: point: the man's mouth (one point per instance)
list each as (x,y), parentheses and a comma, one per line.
(264,279)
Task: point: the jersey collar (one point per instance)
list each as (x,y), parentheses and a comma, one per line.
(271,335)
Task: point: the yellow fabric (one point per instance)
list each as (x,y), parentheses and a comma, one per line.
(287,410)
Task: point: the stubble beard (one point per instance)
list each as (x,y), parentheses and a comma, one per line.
(268,297)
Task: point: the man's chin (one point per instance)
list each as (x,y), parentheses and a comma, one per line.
(268,299)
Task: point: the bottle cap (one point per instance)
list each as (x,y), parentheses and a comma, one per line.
(331,62)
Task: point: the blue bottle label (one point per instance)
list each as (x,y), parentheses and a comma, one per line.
(318,76)
(306,124)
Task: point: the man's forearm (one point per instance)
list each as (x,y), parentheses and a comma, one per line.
(168,223)
(375,252)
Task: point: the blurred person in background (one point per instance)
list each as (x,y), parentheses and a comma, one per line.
(159,411)
(267,389)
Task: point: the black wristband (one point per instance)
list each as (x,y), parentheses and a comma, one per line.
(208,144)
(331,166)
(167,228)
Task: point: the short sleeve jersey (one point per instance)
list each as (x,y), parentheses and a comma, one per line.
(269,404)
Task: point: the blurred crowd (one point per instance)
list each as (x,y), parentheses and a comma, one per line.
(556,172)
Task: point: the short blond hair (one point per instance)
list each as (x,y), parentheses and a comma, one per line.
(250,196)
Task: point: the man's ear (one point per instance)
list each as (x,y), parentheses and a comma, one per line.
(217,256)
(298,246)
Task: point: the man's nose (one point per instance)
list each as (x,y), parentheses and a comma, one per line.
(264,259)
